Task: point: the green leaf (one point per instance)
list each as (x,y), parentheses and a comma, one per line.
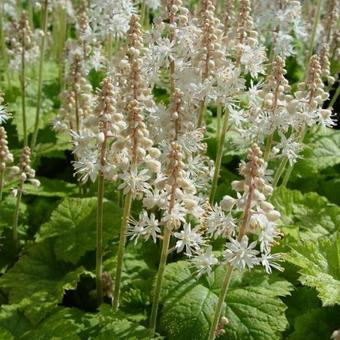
(37,278)
(316,324)
(307,318)
(311,215)
(62,322)
(71,323)
(322,150)
(13,323)
(73,224)
(110,326)
(319,267)
(253,306)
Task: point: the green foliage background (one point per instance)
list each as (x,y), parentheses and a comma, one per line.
(47,290)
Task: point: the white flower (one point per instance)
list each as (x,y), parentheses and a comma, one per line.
(4,115)
(253,58)
(269,261)
(87,166)
(175,216)
(205,262)
(151,226)
(240,254)
(81,141)
(155,198)
(267,235)
(145,227)
(188,239)
(289,148)
(324,118)
(220,224)
(110,16)
(134,181)
(153,4)
(135,229)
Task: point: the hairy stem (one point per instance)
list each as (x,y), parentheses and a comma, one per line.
(201,113)
(291,167)
(2,36)
(160,274)
(23,94)
(219,118)
(218,160)
(268,147)
(16,214)
(40,74)
(121,250)
(226,281)
(109,48)
(219,307)
(313,35)
(335,97)
(2,175)
(99,239)
(279,171)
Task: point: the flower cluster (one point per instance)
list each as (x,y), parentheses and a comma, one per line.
(22,43)
(258,221)
(24,171)
(281,23)
(6,156)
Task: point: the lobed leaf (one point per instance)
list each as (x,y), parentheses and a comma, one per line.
(73,224)
(253,306)
(319,267)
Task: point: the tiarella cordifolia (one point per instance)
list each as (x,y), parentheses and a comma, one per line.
(24,173)
(311,94)
(325,65)
(209,54)
(77,99)
(280,22)
(330,21)
(258,219)
(22,45)
(228,15)
(107,17)
(139,164)
(307,110)
(23,51)
(90,46)
(249,243)
(6,157)
(109,124)
(248,52)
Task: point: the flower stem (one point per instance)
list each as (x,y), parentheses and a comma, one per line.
(201,113)
(219,118)
(41,66)
(268,147)
(279,171)
(16,215)
(99,240)
(313,35)
(160,274)
(2,36)
(121,249)
(335,97)
(2,175)
(291,167)
(219,307)
(109,48)
(23,94)
(218,160)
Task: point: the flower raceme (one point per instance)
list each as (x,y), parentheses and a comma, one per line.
(258,219)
